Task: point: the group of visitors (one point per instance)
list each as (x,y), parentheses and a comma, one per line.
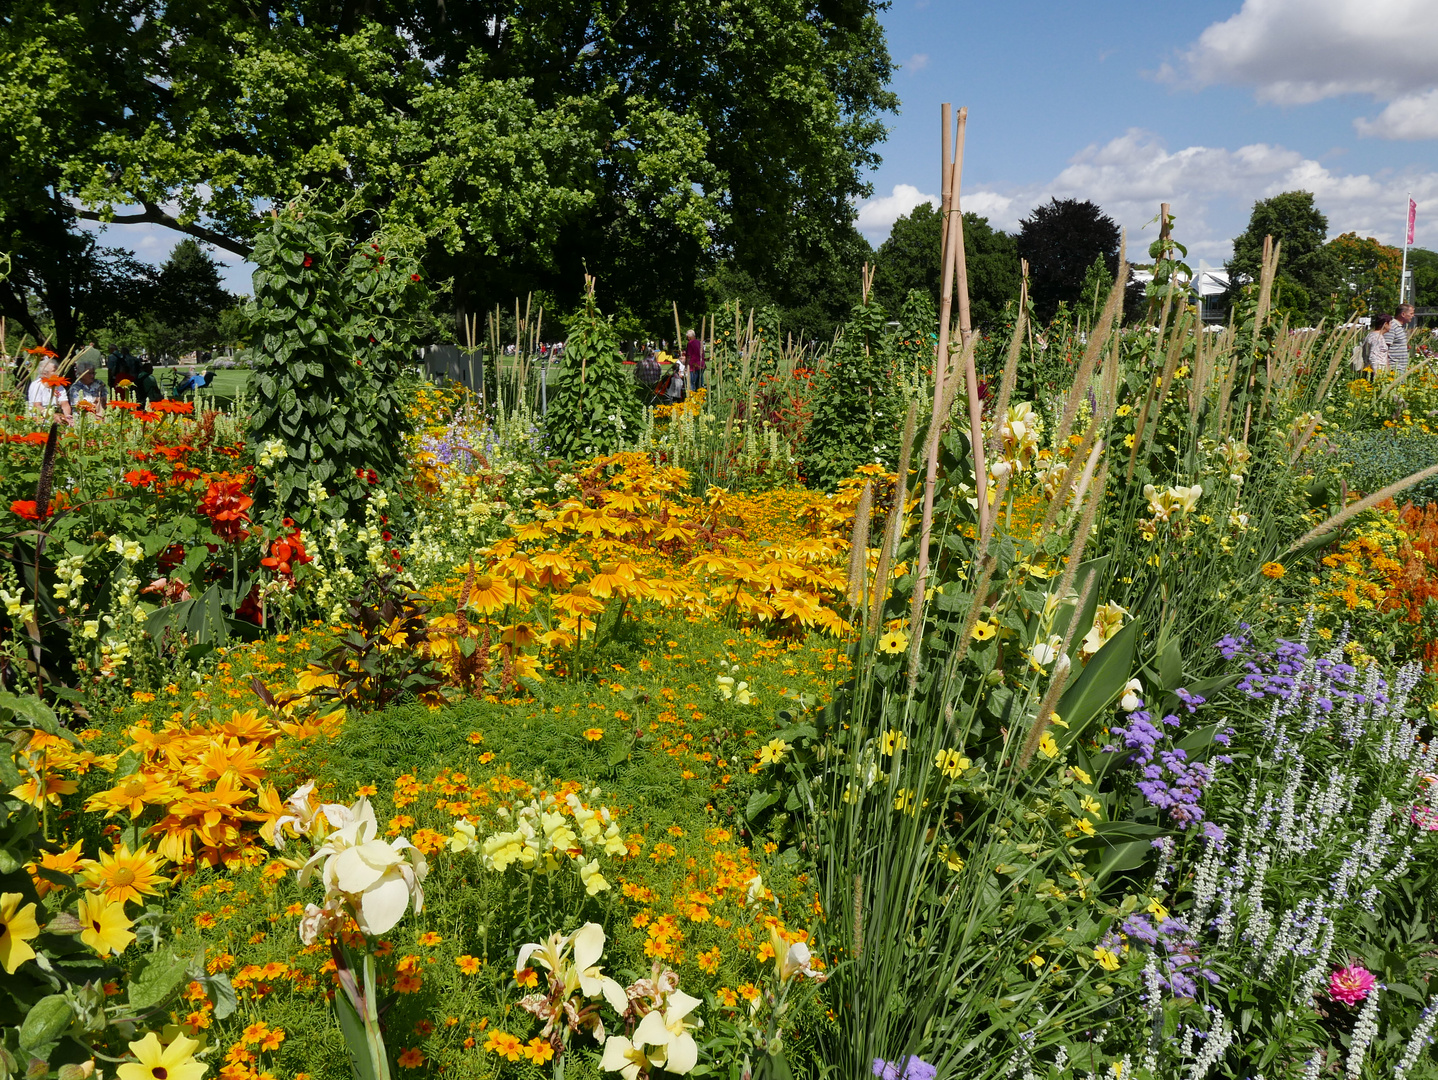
(670,388)
(1386,346)
(130,378)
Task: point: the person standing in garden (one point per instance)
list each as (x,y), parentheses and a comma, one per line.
(1375,346)
(694,360)
(1397,338)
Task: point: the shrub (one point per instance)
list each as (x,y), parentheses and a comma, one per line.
(1375,459)
(595,409)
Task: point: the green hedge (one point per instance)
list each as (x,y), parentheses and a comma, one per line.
(1374,459)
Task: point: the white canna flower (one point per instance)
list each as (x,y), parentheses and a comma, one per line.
(375,878)
(588,943)
(1107,621)
(754,894)
(665,1034)
(623,1057)
(303,817)
(1132,696)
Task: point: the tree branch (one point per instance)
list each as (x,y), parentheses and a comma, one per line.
(153,215)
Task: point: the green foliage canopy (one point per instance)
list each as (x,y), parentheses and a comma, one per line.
(1308,271)
(531,141)
(909,259)
(335,325)
(1061,240)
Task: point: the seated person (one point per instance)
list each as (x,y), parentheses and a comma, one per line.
(648,370)
(47,391)
(88,388)
(146,388)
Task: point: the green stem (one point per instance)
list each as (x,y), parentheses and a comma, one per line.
(379,1060)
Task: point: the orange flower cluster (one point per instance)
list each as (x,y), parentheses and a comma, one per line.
(633,536)
(207,781)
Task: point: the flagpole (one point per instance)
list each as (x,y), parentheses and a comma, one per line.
(1403,274)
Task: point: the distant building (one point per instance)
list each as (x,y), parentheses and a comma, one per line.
(1210,292)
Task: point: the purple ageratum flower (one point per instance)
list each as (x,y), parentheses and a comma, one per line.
(1138,735)
(1213,833)
(1190,701)
(915,1068)
(1230,646)
(1140,928)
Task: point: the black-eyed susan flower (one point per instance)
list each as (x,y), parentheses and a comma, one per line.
(893,642)
(103,925)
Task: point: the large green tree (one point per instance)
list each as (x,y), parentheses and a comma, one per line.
(1423,265)
(528,141)
(1308,271)
(909,259)
(1367,272)
(1061,239)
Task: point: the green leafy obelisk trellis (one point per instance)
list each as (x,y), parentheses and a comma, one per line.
(595,408)
(334,326)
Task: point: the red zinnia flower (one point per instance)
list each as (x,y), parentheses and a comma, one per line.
(140,478)
(40,350)
(56,382)
(27,509)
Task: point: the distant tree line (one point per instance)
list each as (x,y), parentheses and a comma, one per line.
(1321,278)
(107,295)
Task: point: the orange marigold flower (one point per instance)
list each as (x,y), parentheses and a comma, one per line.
(505,1045)
(412,1058)
(468,964)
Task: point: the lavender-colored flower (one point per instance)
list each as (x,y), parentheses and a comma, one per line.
(1190,701)
(1141,928)
(914,1068)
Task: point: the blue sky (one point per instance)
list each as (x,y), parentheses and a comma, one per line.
(1209,107)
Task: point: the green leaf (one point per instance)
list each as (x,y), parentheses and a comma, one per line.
(221,994)
(759,801)
(1100,684)
(46,1021)
(162,974)
(356,1040)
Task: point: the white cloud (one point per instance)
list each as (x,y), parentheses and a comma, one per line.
(1211,191)
(877,216)
(1299,51)
(1413,116)
(917,62)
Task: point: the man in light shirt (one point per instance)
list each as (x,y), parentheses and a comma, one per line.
(1397,338)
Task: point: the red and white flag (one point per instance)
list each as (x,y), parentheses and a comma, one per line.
(1412,219)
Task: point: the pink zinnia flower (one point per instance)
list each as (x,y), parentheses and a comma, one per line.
(1350,985)
(1425,817)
